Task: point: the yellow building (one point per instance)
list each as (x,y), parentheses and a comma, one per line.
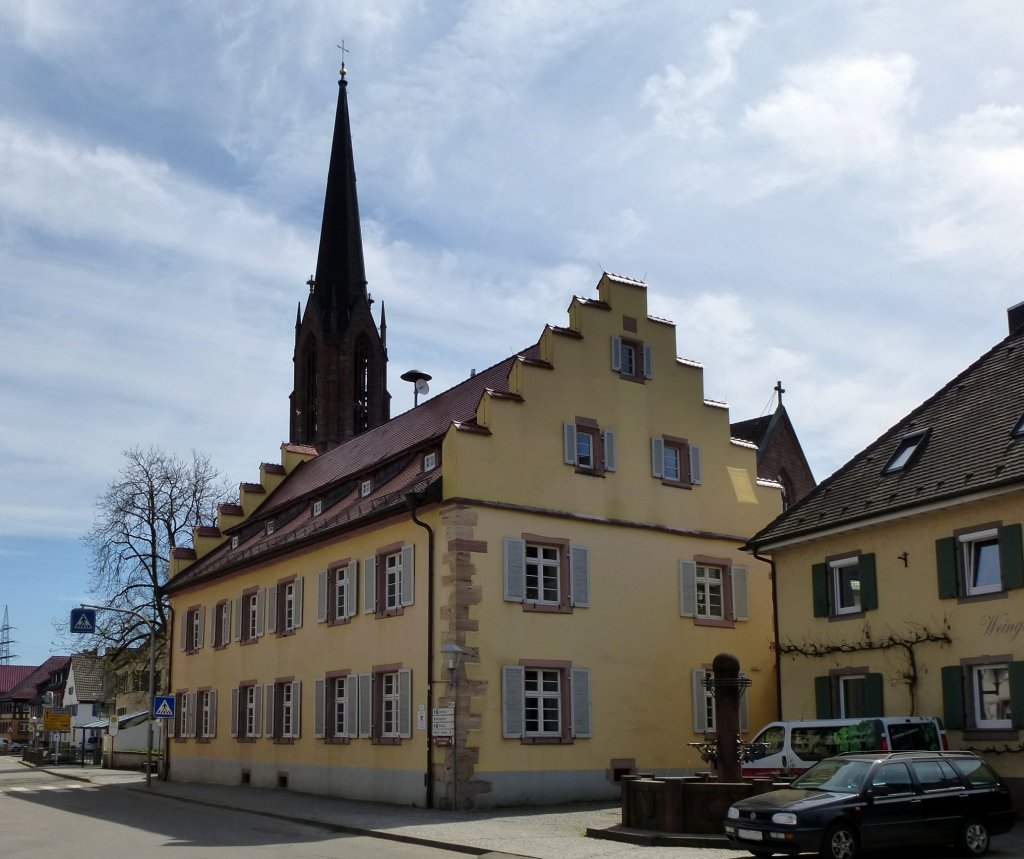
(570,518)
(899,579)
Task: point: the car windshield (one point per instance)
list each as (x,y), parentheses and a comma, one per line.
(834,775)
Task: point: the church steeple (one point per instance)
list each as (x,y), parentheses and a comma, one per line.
(340,358)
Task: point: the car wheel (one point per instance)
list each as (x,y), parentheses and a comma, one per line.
(974,838)
(840,843)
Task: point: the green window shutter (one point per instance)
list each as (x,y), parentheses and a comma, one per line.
(874,685)
(945,563)
(1011,558)
(1017,694)
(819,589)
(953,713)
(823,697)
(868,583)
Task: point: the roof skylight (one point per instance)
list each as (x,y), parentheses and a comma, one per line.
(1018,429)
(907,451)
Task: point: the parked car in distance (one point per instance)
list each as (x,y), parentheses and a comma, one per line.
(858,802)
(10,747)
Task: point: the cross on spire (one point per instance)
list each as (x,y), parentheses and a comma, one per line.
(344,51)
(779,390)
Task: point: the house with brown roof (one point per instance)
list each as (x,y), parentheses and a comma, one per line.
(900,578)
(21,707)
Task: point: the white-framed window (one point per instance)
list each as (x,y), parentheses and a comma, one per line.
(990,686)
(389,704)
(672,463)
(587,447)
(365,488)
(585,454)
(546,573)
(430,461)
(543,573)
(283,709)
(336,701)
(234,541)
(252,616)
(384,705)
(545,702)
(389,581)
(852,689)
(703,702)
(284,606)
(318,507)
(207,713)
(980,562)
(675,461)
(632,359)
(710,591)
(392,580)
(628,360)
(336,593)
(246,711)
(193,628)
(340,714)
(270,527)
(248,619)
(222,624)
(844,576)
(910,446)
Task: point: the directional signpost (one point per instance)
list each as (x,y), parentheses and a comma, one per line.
(83,620)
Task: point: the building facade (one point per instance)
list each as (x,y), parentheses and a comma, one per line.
(900,579)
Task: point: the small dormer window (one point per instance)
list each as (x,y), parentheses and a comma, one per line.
(366,488)
(1018,429)
(906,452)
(270,527)
(318,507)
(234,542)
(430,462)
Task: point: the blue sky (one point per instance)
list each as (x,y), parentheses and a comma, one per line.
(826,192)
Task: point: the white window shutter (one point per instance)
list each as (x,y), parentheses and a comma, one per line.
(579,575)
(700,695)
(581,709)
(740,599)
(515,569)
(260,603)
(365,704)
(202,625)
(351,706)
(657,456)
(351,576)
(319,707)
(617,354)
(369,585)
(321,596)
(408,584)
(687,589)
(234,711)
(297,615)
(610,458)
(512,701)
(228,619)
(696,473)
(237,626)
(405,703)
(272,608)
(648,362)
(297,708)
(569,443)
(213,713)
(190,713)
(257,692)
(268,722)
(186,624)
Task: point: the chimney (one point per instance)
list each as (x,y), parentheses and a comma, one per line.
(1015,316)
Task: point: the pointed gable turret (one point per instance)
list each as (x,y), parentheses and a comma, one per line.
(340,363)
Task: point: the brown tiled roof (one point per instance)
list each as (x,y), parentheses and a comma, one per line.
(970,448)
(28,689)
(88,676)
(753,430)
(12,675)
(386,455)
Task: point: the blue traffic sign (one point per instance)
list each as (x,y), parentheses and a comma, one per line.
(163,706)
(83,620)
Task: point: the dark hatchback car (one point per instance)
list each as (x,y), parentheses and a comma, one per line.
(879,800)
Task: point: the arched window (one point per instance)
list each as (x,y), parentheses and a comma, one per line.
(308,405)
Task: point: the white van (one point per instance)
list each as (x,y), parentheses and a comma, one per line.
(789,748)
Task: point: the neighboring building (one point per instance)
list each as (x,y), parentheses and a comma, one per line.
(22,706)
(14,723)
(899,579)
(85,696)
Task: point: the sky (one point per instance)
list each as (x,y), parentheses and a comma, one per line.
(828,193)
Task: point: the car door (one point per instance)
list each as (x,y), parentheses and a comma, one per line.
(889,816)
(941,795)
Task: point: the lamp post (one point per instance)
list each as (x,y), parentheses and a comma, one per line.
(452,655)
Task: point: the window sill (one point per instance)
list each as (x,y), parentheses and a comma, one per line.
(965,599)
(285,633)
(546,741)
(991,734)
(678,484)
(387,741)
(246,739)
(342,621)
(714,621)
(247,641)
(591,472)
(546,608)
(284,741)
(337,741)
(850,615)
(391,612)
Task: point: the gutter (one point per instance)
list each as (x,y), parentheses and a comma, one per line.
(775,634)
(412,499)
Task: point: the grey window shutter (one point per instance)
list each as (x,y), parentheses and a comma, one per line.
(237,627)
(569,443)
(321,596)
(945,565)
(213,713)
(617,354)
(257,692)
(186,624)
(260,603)
(696,468)
(234,711)
(648,362)
(268,721)
(351,706)
(369,585)
(297,708)
(699,695)
(581,710)
(953,710)
(687,589)
(610,457)
(740,597)
(228,619)
(1011,557)
(512,701)
(272,608)
(515,569)
(297,615)
(657,456)
(351,576)
(819,589)
(579,575)
(202,625)
(405,703)
(365,705)
(408,583)
(319,707)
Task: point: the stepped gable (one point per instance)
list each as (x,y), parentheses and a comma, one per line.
(970,447)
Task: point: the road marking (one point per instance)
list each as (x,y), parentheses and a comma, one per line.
(48,787)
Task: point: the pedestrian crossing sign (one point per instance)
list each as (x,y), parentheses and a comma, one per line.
(163,707)
(83,620)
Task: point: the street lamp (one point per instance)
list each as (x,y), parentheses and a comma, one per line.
(452,655)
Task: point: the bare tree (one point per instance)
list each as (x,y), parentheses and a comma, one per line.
(148,510)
